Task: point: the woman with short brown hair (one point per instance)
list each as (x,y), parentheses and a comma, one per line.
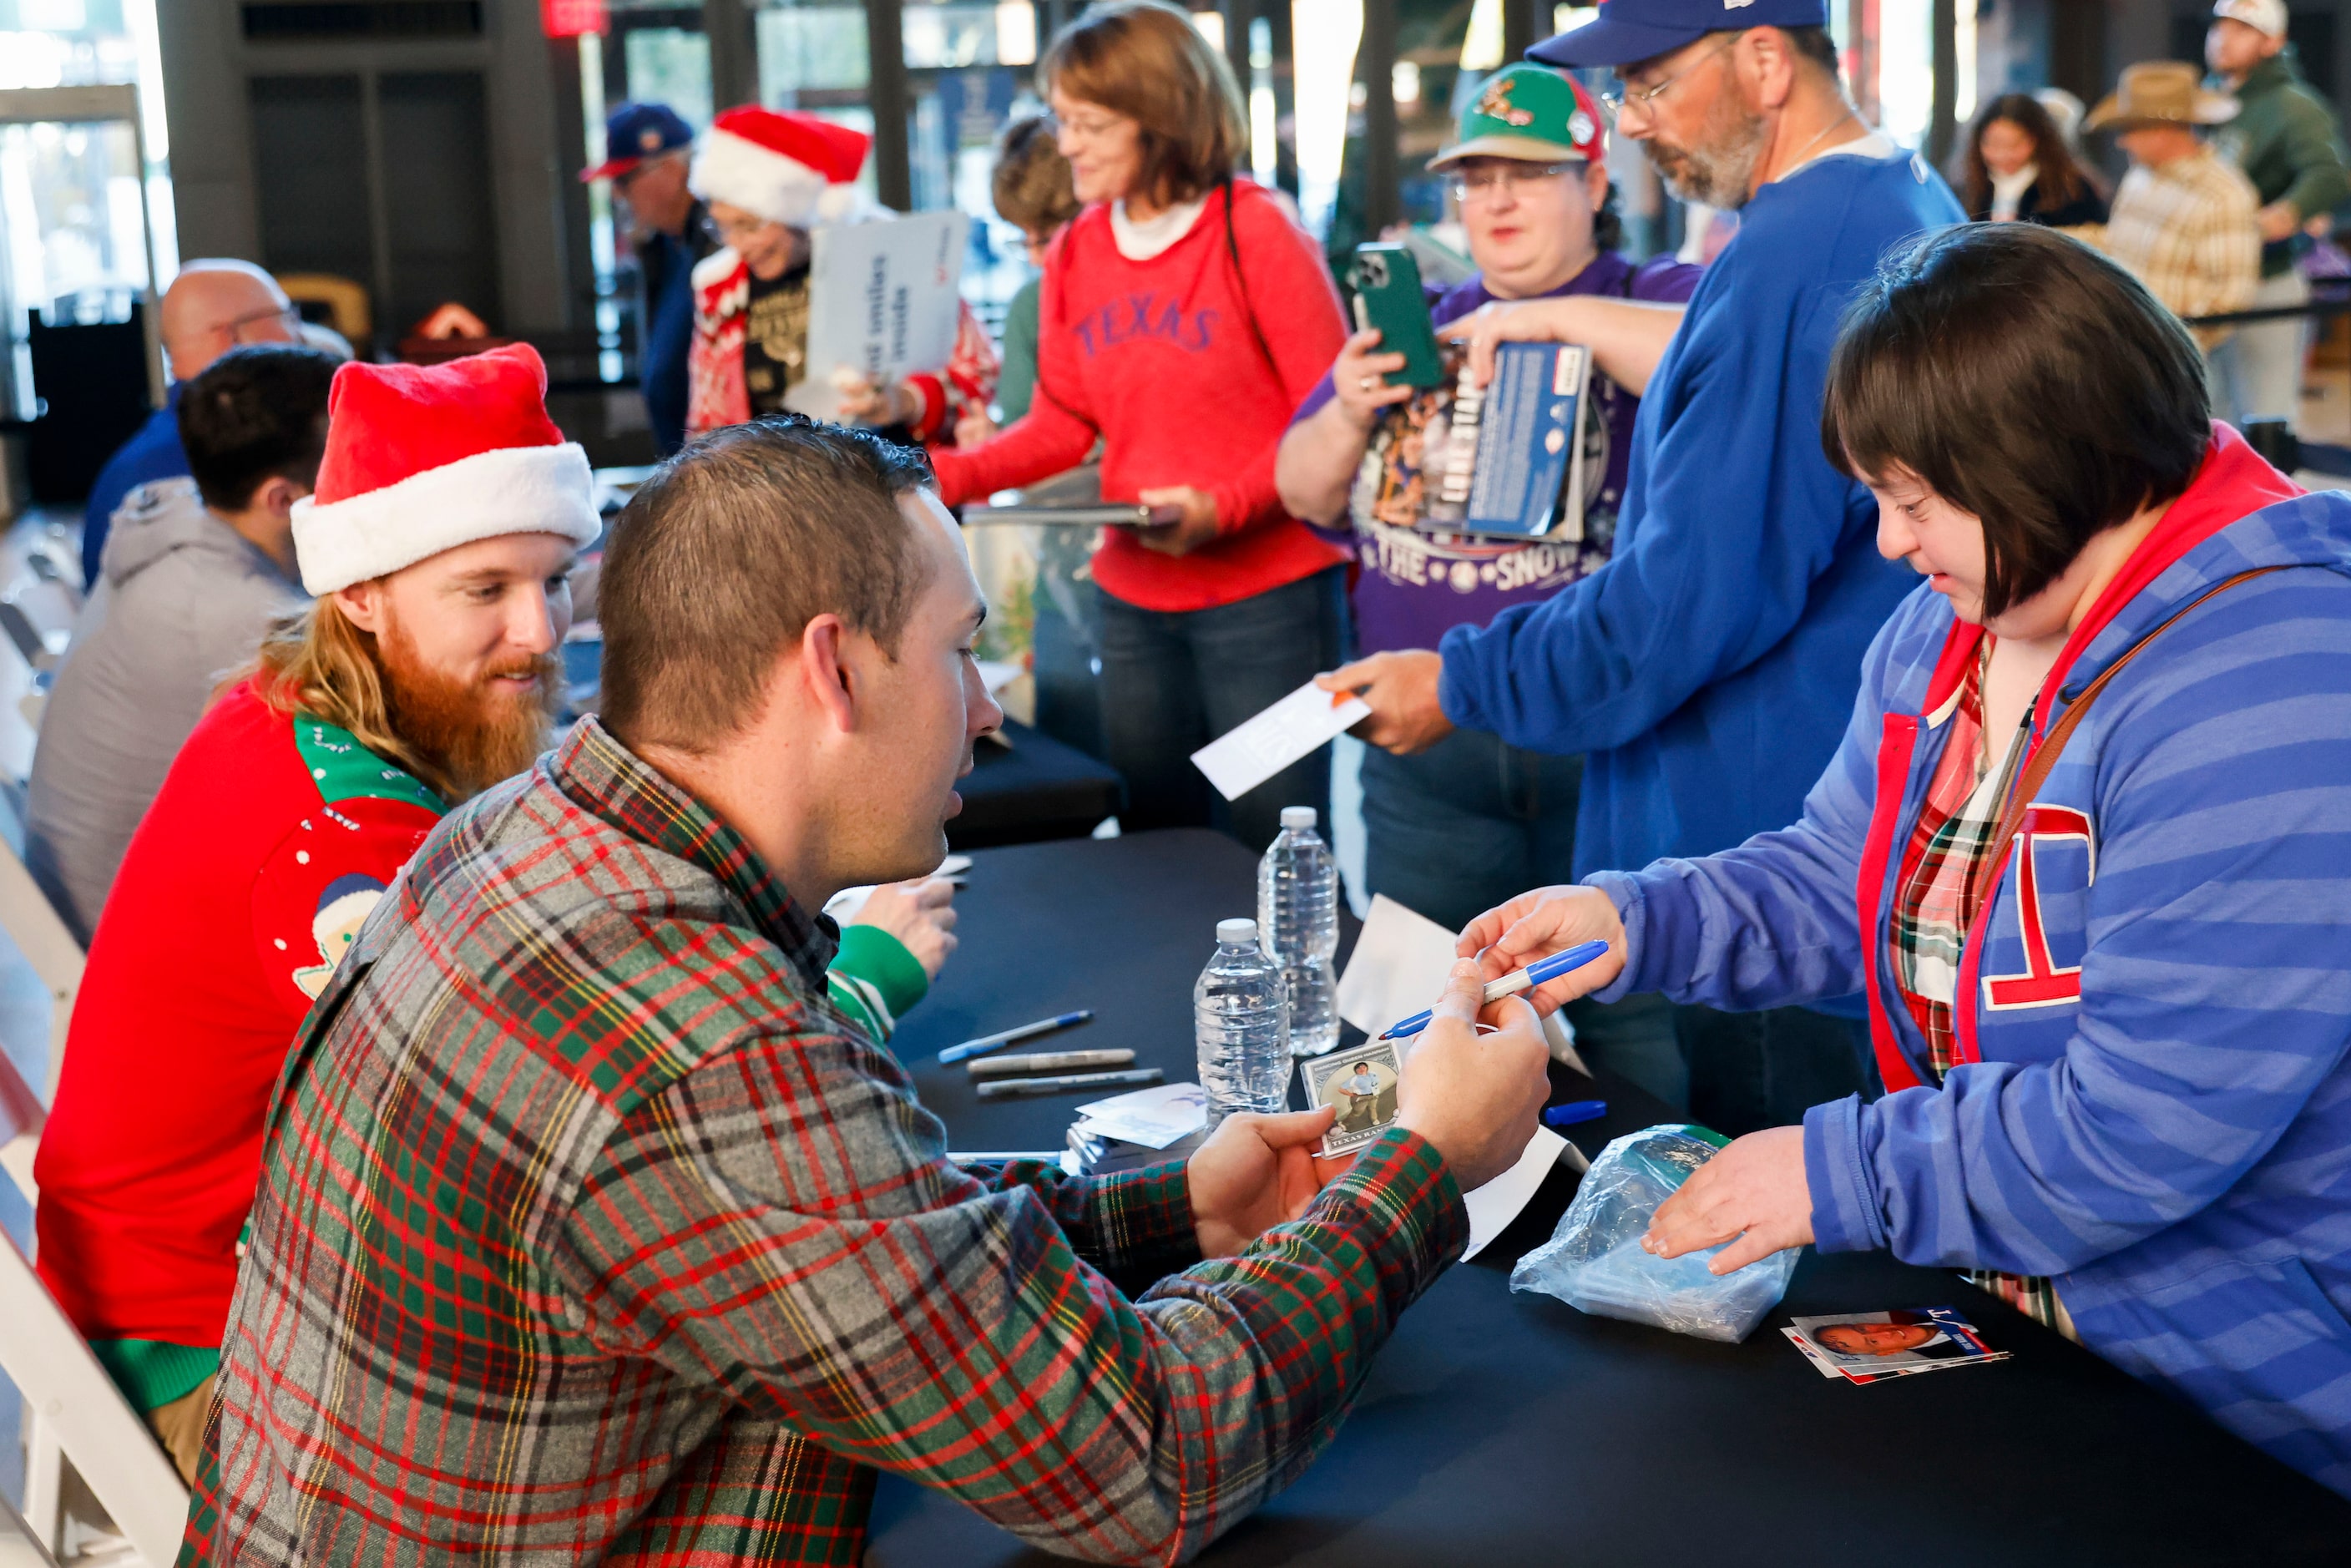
(2083,852)
(1183,316)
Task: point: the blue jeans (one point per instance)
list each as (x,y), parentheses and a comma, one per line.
(1173,681)
(1752,1071)
(1471,823)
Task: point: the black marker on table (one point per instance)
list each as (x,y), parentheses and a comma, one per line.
(1012,1088)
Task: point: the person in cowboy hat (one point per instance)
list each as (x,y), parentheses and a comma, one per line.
(770,176)
(1529,170)
(2183,219)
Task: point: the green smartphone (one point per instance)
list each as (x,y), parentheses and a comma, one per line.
(1389,296)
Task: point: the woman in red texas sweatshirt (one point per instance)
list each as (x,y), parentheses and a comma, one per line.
(1183,316)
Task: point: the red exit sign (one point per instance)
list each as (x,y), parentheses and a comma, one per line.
(571,18)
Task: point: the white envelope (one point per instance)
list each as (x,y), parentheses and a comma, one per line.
(1240,759)
(1495,1205)
(1398,967)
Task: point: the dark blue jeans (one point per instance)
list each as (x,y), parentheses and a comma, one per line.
(1173,681)
(1471,823)
(1752,1071)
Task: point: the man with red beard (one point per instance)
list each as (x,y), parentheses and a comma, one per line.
(447,512)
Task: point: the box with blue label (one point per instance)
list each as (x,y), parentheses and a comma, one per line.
(1507,460)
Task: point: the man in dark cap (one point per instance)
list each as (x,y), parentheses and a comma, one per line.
(648,149)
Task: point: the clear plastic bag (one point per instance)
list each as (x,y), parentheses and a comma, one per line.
(1594,1261)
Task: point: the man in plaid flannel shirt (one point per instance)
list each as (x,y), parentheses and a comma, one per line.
(589,1229)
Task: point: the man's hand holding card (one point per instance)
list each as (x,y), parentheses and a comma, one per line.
(1474,1095)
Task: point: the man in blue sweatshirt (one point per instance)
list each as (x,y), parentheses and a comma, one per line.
(1708,670)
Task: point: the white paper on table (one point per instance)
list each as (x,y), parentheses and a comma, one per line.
(1399,966)
(1153,1117)
(849,902)
(1495,1205)
(1242,759)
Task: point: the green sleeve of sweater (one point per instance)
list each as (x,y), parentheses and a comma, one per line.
(2313,150)
(1016,385)
(874,980)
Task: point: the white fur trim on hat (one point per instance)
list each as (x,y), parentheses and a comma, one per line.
(742,174)
(511,490)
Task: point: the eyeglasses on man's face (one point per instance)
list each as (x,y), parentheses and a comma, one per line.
(1483,182)
(1625,96)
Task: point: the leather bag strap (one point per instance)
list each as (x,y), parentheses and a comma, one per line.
(2044,757)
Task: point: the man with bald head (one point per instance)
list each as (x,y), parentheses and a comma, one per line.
(210,308)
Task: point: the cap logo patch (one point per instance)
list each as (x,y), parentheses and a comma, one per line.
(1735,5)
(1495,103)
(650,140)
(1579,127)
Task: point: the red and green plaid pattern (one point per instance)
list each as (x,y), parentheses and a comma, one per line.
(589,1232)
(1945,871)
(1945,867)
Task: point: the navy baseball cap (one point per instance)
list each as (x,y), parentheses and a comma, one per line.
(1634,30)
(636,131)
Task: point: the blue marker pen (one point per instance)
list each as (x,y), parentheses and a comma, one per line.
(1575,1111)
(1538,973)
(988,1042)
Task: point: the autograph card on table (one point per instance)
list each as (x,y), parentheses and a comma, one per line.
(1240,759)
(1361,1084)
(1869,1347)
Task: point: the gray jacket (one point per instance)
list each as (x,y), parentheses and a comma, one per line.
(182,600)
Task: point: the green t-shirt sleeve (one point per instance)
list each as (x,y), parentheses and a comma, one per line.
(874,979)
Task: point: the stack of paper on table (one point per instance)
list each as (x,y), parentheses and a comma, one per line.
(1147,1126)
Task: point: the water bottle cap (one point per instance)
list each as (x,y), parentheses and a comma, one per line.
(1236,933)
(1297,816)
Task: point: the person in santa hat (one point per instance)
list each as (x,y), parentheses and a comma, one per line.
(769,177)
(438,542)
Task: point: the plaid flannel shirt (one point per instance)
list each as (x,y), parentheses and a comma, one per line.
(590,1232)
(2187,231)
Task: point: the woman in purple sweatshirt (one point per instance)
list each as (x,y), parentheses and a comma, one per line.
(1459,826)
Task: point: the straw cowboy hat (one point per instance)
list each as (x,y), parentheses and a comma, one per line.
(2160,92)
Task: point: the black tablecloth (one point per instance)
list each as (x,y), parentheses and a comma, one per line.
(1034,790)
(1499,1428)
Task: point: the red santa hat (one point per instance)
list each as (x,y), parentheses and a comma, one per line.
(423,458)
(789,168)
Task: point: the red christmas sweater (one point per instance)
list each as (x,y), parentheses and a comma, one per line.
(271,839)
(1159,358)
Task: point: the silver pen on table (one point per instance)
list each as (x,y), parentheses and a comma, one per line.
(1047,1061)
(1010,1088)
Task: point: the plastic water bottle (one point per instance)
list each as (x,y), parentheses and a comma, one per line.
(1298,912)
(1241,1023)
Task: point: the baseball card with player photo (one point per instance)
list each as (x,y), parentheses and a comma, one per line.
(1361,1084)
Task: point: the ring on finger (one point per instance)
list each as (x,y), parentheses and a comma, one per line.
(1363,383)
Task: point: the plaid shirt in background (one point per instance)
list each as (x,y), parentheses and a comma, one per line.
(2187,231)
(589,1232)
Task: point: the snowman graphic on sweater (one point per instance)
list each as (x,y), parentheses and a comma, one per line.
(343,908)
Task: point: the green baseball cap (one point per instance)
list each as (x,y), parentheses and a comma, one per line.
(1529,112)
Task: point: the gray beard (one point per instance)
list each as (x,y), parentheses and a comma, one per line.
(1719,172)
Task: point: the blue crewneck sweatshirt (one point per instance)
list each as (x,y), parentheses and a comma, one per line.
(1708,670)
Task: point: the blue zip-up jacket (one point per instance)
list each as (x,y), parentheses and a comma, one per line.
(2154,998)
(1704,669)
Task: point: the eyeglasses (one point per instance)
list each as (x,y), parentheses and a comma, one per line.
(1495,178)
(1091,129)
(288,322)
(1620,98)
